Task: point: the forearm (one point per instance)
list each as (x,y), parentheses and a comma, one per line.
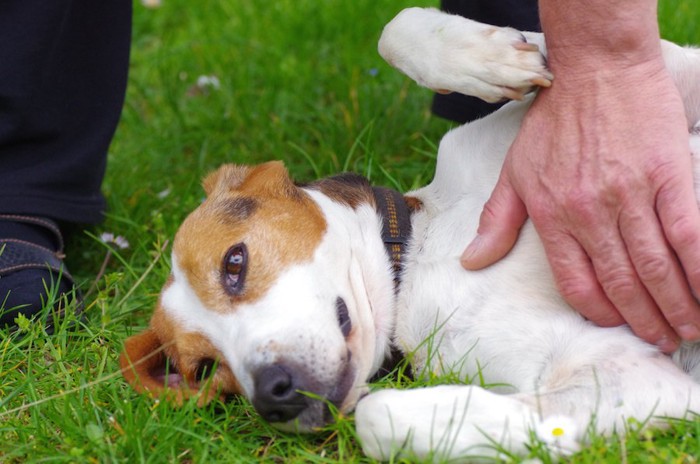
(582,33)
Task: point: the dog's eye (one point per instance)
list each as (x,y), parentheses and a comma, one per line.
(205,369)
(234,268)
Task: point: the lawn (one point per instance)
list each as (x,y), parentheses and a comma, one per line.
(297,80)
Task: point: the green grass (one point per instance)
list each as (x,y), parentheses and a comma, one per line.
(299,81)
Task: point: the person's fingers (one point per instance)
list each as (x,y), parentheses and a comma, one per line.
(577,281)
(499,224)
(678,211)
(594,274)
(617,259)
(663,279)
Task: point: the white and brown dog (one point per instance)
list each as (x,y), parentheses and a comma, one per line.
(286,294)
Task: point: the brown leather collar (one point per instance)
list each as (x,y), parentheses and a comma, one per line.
(396,227)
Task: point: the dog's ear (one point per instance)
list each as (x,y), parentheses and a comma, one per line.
(269,178)
(228,176)
(146,367)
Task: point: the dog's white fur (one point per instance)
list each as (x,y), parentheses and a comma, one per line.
(553,372)
(505,324)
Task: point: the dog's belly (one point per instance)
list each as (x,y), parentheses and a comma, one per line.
(471,323)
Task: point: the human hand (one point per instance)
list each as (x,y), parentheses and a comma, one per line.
(602,167)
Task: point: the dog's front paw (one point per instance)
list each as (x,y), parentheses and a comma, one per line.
(503,63)
(450,53)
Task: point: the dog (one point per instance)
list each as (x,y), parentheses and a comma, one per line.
(294,295)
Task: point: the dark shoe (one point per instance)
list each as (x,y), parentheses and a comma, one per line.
(32,273)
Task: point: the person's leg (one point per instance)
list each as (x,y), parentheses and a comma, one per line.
(518,14)
(62,87)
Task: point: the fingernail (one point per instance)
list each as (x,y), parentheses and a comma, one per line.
(689,331)
(667,345)
(471,249)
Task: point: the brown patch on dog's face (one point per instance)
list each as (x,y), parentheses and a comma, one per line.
(259,207)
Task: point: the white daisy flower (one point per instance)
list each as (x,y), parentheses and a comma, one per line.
(107,237)
(208,82)
(118,241)
(121,242)
(560,433)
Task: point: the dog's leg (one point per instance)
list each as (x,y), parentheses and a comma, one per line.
(598,386)
(447,422)
(449,53)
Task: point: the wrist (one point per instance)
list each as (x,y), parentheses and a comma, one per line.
(600,33)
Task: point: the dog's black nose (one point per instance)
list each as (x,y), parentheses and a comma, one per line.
(277,397)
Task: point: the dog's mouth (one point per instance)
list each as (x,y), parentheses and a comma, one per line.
(333,395)
(290,399)
(300,401)
(168,375)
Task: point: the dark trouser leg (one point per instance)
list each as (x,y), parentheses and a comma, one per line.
(62,83)
(63,69)
(519,14)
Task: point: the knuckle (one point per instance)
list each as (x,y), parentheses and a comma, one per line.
(664,172)
(489,212)
(585,298)
(543,213)
(582,205)
(653,269)
(682,233)
(621,287)
(576,290)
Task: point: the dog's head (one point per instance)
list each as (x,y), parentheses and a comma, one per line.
(262,301)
